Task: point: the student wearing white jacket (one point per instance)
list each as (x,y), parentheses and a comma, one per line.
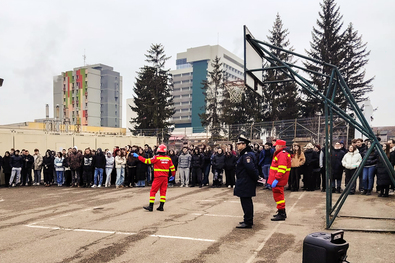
(109,167)
(59,168)
(351,162)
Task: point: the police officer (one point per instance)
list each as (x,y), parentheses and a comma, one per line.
(247,176)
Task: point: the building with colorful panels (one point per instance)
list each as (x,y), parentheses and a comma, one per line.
(90,96)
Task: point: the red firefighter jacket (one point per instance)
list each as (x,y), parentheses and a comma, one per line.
(280,167)
(162,165)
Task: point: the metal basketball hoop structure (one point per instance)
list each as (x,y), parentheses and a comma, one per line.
(235,90)
(257,54)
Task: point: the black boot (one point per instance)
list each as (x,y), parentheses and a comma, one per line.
(160,208)
(281,215)
(278,211)
(150,207)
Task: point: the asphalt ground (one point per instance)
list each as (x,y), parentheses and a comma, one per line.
(62,224)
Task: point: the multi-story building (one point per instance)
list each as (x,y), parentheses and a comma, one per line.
(192,68)
(89,95)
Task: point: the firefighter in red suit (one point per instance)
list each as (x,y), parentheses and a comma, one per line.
(278,177)
(162,164)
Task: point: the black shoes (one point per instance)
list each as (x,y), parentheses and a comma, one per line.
(160,207)
(244,225)
(150,207)
(280,216)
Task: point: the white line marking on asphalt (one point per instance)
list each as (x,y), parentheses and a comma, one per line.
(117,233)
(232,202)
(197,214)
(251,259)
(185,238)
(206,200)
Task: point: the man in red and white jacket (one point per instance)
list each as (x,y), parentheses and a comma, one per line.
(278,177)
(162,164)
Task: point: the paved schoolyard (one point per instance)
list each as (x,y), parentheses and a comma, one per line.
(60,224)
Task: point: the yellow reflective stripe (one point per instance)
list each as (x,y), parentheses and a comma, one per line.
(172,167)
(275,158)
(282,166)
(161,158)
(281,171)
(280,202)
(152,197)
(161,170)
(273,168)
(289,155)
(163,199)
(288,169)
(147,161)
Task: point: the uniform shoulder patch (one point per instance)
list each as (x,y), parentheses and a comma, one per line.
(248,159)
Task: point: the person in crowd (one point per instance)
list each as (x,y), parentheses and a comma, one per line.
(197,163)
(27,167)
(174,158)
(322,166)
(297,160)
(218,163)
(369,170)
(109,168)
(278,177)
(59,168)
(309,165)
(75,162)
(16,167)
(87,168)
(247,176)
(131,164)
(184,163)
(48,164)
(162,164)
(337,167)
(6,164)
(317,168)
(141,169)
(120,163)
(37,166)
(229,147)
(99,161)
(265,159)
(66,165)
(361,149)
(351,161)
(207,163)
(230,168)
(148,153)
(383,178)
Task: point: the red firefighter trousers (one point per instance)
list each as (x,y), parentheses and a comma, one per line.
(159,183)
(278,195)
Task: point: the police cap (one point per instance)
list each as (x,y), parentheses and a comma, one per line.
(243,139)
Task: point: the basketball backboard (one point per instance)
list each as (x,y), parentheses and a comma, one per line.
(253,63)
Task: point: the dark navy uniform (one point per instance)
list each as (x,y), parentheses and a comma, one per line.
(247,176)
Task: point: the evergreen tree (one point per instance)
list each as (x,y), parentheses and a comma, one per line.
(216,96)
(282,101)
(355,58)
(327,46)
(154,102)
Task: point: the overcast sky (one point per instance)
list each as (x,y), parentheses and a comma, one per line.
(43,38)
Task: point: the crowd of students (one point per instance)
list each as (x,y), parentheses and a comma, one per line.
(194,165)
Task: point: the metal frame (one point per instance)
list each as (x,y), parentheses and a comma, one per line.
(336,84)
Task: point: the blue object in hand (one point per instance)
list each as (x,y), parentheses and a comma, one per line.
(135,155)
(274,183)
(171,178)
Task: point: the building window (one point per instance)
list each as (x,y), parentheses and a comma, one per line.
(177,75)
(178,89)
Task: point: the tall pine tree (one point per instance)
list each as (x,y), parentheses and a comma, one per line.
(343,49)
(216,96)
(154,102)
(282,100)
(353,72)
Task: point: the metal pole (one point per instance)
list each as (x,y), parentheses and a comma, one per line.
(319,127)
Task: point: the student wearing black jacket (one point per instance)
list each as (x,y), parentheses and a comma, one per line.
(27,168)
(99,161)
(48,164)
(6,167)
(218,164)
(197,163)
(230,168)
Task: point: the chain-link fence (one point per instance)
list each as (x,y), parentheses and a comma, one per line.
(295,130)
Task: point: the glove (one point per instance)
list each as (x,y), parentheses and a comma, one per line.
(135,155)
(274,183)
(171,178)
